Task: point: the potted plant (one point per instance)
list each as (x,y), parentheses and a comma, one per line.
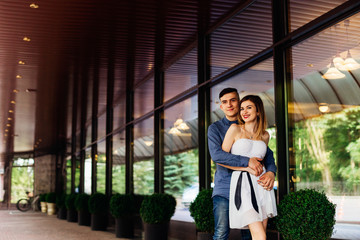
(71,214)
(60,204)
(98,207)
(305,214)
(42,199)
(51,200)
(156,211)
(201,209)
(81,205)
(122,208)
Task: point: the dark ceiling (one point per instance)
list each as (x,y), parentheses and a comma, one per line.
(46,45)
(56,40)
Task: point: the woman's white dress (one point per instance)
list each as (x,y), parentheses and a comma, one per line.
(251,207)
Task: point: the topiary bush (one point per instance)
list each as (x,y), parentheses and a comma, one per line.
(50,197)
(122,205)
(42,197)
(60,200)
(201,209)
(82,202)
(305,215)
(157,208)
(70,201)
(98,203)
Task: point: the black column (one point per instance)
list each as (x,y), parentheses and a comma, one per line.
(282,88)
(94,125)
(109,118)
(130,66)
(73,127)
(159,99)
(203,95)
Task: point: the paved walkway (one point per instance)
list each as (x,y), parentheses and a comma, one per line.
(15,225)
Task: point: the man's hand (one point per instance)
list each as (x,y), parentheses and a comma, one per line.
(254,163)
(267,180)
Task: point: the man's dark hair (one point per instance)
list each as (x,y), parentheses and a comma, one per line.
(228,90)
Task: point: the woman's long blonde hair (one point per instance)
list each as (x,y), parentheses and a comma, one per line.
(261,122)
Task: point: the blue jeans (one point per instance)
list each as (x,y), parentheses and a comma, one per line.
(221,215)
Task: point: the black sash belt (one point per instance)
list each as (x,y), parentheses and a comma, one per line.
(238,193)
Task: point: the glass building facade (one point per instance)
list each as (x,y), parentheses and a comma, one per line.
(301,58)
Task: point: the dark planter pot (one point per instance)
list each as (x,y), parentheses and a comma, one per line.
(62,213)
(204,236)
(71,215)
(99,221)
(124,227)
(84,218)
(156,231)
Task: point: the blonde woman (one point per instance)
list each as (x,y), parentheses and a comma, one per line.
(252,198)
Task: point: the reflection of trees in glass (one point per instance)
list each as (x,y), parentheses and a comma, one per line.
(180,171)
(118,180)
(101,173)
(77,176)
(68,180)
(144,177)
(22,180)
(327,152)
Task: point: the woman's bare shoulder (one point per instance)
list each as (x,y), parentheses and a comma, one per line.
(266,137)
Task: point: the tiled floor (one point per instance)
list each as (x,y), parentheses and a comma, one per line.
(15,225)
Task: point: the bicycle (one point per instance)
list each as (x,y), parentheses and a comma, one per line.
(25,204)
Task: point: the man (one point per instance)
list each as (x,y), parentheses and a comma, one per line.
(229,99)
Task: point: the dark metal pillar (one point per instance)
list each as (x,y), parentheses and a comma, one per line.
(109,118)
(83,106)
(282,88)
(158,100)
(94,125)
(73,127)
(203,95)
(129,155)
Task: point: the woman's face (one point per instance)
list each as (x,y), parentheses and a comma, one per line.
(248,111)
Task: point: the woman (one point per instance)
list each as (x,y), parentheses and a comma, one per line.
(250,203)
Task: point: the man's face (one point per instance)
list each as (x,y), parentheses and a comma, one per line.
(230,105)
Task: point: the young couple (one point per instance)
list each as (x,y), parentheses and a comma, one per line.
(243,194)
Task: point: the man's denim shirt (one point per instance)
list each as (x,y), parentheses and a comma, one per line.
(216,134)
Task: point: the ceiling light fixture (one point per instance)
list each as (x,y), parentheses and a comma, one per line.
(9,118)
(174,131)
(6,130)
(18,76)
(26,39)
(333,73)
(16,90)
(21,62)
(34,5)
(8,125)
(11,111)
(30,90)
(323,107)
(13,102)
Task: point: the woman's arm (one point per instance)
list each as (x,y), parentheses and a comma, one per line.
(246,169)
(229,138)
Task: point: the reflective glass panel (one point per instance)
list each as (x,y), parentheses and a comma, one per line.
(101,131)
(181,76)
(181,174)
(144,157)
(325,113)
(101,167)
(245,35)
(119,112)
(77,174)
(144,98)
(118,168)
(68,175)
(304,11)
(87,171)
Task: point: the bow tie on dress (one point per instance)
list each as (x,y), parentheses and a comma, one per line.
(238,193)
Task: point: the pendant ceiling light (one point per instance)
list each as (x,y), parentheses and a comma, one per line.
(333,73)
